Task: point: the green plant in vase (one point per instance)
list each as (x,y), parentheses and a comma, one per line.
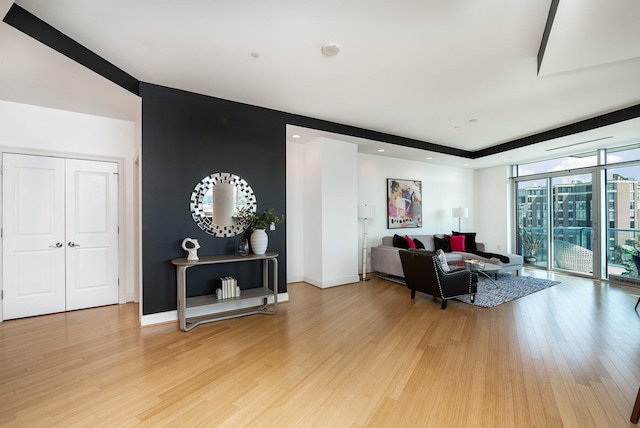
(624,253)
(259,222)
(255,220)
(531,243)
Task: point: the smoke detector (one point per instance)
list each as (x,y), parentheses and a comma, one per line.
(330,49)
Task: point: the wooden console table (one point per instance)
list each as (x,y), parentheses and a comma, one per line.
(201,309)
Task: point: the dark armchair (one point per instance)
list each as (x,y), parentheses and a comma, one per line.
(422,272)
(636,260)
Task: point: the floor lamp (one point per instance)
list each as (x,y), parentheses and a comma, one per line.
(460,213)
(365,212)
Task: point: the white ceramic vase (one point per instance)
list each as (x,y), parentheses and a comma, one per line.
(259,241)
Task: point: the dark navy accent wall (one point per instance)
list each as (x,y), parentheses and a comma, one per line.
(186,137)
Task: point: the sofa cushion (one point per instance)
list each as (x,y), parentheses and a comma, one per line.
(419,244)
(469,240)
(443,261)
(400,242)
(457,242)
(442,244)
(410,241)
(427,241)
(452,257)
(387,240)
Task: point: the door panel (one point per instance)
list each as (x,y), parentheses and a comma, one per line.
(33,257)
(35,282)
(60,245)
(92,267)
(92,233)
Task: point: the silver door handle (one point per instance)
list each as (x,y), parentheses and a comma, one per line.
(73,244)
(58,245)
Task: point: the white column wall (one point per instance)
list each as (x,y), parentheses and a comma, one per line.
(339,212)
(494,215)
(44,131)
(330,212)
(311,220)
(294,215)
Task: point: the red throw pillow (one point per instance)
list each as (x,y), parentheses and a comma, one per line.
(457,242)
(410,241)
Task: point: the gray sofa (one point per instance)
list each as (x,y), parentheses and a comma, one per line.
(385,258)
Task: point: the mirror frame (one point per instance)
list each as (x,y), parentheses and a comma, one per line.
(208,183)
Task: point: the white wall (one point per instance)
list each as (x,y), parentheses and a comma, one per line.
(443,188)
(294,214)
(311,220)
(44,131)
(494,215)
(330,183)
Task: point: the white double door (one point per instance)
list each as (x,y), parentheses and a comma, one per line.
(60,234)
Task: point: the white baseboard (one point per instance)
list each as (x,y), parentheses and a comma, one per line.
(172,316)
(158,318)
(332,283)
(297,278)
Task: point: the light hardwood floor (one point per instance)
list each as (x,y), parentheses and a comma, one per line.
(363,354)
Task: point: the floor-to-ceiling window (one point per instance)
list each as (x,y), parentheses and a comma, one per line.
(561,204)
(572,223)
(622,213)
(532,220)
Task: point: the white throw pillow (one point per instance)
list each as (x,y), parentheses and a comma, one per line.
(443,261)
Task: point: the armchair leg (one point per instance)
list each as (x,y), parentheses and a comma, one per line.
(444,304)
(413,294)
(638,302)
(473,298)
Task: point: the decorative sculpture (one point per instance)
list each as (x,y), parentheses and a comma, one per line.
(192,251)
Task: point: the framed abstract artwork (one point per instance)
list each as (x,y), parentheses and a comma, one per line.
(404,203)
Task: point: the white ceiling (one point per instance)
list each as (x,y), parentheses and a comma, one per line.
(459,73)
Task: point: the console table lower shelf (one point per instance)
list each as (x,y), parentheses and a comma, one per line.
(193,311)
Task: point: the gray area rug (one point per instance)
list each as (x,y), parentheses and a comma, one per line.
(509,287)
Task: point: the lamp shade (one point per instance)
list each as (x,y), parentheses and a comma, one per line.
(460,212)
(366,211)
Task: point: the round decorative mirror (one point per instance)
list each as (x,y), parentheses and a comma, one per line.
(216,200)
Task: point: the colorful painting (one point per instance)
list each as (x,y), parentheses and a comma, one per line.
(404,203)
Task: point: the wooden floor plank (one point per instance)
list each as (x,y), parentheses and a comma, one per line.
(358,355)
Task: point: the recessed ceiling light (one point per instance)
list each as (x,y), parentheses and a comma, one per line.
(429,158)
(380,150)
(295,136)
(330,49)
(466,164)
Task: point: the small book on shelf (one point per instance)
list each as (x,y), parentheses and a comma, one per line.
(228,288)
